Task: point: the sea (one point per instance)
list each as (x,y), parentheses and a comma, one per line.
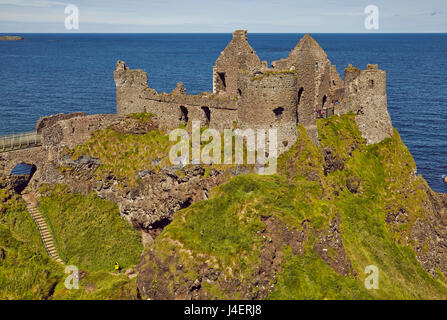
(61,73)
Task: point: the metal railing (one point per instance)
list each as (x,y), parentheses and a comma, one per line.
(18,141)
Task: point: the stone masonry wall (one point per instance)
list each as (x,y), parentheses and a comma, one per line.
(72,132)
(46,122)
(319,84)
(316,86)
(270,101)
(238,56)
(68,133)
(365,95)
(173,109)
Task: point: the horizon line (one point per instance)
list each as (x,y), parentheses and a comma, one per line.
(362,33)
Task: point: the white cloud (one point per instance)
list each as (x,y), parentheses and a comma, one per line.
(261,15)
(33,3)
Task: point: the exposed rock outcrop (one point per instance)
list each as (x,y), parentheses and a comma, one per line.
(428,234)
(170,284)
(149,204)
(11,38)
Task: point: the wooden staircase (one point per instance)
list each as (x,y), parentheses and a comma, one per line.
(44,231)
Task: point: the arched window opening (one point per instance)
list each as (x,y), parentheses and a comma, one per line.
(278,113)
(207,113)
(183,114)
(324,102)
(371,84)
(221,81)
(300,94)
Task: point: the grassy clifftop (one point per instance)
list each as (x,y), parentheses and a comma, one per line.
(307,233)
(26,272)
(91,235)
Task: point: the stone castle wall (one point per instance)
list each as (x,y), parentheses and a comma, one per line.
(174,109)
(270,101)
(238,56)
(365,95)
(46,122)
(246,92)
(74,131)
(58,132)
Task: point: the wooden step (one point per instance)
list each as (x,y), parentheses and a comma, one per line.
(44,231)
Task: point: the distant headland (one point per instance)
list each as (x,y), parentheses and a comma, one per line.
(11,38)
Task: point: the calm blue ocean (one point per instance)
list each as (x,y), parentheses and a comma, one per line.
(40,76)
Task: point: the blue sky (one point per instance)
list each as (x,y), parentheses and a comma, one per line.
(294,16)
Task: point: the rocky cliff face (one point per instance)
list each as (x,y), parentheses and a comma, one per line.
(150,204)
(428,234)
(148,198)
(307,232)
(310,232)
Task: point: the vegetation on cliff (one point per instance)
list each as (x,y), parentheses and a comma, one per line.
(91,234)
(26,272)
(124,154)
(342,190)
(308,232)
(90,231)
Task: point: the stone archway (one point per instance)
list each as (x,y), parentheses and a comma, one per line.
(21,175)
(37,157)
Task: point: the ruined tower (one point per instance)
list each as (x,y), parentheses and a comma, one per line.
(129,86)
(319,85)
(269,100)
(237,56)
(365,95)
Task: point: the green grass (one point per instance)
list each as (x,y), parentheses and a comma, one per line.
(310,278)
(100,286)
(94,237)
(224,231)
(26,272)
(144,117)
(90,231)
(124,155)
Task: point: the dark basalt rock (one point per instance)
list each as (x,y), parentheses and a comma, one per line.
(332,161)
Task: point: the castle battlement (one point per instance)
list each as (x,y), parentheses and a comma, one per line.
(246,92)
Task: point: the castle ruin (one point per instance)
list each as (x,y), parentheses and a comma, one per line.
(247,93)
